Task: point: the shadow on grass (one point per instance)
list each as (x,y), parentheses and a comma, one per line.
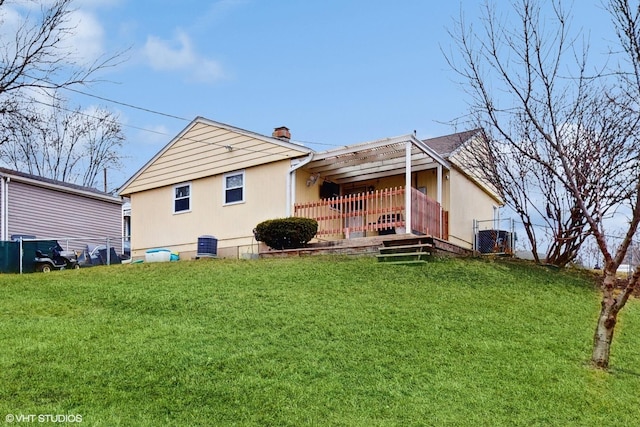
(624,371)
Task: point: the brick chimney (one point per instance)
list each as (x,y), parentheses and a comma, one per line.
(282,132)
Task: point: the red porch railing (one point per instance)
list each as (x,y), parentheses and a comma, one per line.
(381,211)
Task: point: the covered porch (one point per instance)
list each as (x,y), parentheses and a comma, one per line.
(371,189)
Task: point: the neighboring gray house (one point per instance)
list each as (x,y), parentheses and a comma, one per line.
(48,209)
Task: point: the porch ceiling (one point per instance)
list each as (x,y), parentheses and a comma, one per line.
(373,160)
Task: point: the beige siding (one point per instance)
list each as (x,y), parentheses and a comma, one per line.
(468,202)
(155,225)
(202,152)
(466,159)
(304,193)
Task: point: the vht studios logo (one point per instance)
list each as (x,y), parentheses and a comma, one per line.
(43,418)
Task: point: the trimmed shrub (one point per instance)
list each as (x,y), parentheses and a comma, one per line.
(286,233)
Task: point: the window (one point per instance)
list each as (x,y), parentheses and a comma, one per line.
(234,188)
(182,198)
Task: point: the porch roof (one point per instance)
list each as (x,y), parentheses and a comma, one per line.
(375,159)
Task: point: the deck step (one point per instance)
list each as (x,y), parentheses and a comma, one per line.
(407,248)
(403,257)
(407,262)
(406,251)
(408,242)
(404,254)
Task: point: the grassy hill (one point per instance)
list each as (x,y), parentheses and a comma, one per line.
(313,341)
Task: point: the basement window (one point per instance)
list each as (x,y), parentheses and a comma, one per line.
(182,198)
(233,188)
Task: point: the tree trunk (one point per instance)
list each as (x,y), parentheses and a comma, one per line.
(613,300)
(604,333)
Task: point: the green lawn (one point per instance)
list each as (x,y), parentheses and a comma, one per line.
(323,341)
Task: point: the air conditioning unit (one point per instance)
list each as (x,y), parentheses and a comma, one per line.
(494,241)
(207,247)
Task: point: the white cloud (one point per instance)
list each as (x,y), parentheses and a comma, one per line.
(10,19)
(154,135)
(178,54)
(88,36)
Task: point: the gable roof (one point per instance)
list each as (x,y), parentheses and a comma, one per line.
(207,148)
(453,147)
(448,144)
(56,185)
(373,159)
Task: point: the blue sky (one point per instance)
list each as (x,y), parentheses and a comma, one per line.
(335,72)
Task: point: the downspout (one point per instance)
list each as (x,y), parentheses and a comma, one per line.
(291,188)
(439,196)
(407,192)
(4,190)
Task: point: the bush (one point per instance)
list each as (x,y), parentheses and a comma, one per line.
(286,233)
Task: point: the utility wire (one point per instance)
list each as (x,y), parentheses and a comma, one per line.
(160,113)
(59,107)
(221,145)
(147,110)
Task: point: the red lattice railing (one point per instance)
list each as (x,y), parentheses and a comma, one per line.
(381,211)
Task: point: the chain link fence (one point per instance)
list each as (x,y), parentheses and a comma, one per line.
(19,254)
(496,236)
(499,236)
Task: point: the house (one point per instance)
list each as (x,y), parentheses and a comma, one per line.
(217,180)
(76,216)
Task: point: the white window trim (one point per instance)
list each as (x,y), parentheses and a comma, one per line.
(173,198)
(224,188)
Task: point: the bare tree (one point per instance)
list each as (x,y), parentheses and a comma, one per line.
(59,143)
(35,63)
(34,57)
(626,21)
(575,131)
(535,196)
(527,65)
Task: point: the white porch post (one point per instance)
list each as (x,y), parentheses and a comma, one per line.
(407,187)
(439,191)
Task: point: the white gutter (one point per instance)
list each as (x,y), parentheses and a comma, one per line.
(291,189)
